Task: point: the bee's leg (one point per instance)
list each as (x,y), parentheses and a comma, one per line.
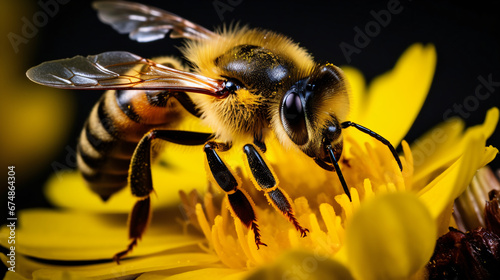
(138,221)
(140,180)
(241,205)
(266,181)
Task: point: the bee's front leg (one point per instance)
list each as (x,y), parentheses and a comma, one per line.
(265,180)
(241,206)
(140,180)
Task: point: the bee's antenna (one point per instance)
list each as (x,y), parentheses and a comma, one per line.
(337,169)
(376,136)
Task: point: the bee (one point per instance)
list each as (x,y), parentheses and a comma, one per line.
(246,85)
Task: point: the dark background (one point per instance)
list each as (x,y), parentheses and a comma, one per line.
(466,37)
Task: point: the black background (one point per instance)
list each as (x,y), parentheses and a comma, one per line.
(466,37)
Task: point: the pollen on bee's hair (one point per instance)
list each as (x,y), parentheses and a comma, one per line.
(203,54)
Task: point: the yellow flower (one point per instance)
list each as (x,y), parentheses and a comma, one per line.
(387,232)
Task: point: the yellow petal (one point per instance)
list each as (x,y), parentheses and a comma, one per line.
(302,265)
(390,237)
(128,269)
(436,149)
(441,146)
(443,190)
(66,235)
(394,99)
(203,273)
(14,276)
(69,190)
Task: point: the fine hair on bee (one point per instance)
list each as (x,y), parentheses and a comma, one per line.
(247,85)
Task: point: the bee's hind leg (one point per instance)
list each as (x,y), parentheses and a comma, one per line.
(141,183)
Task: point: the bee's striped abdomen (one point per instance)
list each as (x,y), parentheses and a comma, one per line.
(115,126)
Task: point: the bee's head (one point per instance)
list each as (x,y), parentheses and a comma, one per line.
(311,111)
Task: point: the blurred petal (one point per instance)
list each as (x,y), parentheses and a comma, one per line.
(203,273)
(390,237)
(302,265)
(127,269)
(13,276)
(69,190)
(395,98)
(56,235)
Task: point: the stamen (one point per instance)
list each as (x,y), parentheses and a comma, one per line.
(242,240)
(367,185)
(372,171)
(348,206)
(469,207)
(328,215)
(202,221)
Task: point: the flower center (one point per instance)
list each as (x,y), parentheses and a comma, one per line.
(319,205)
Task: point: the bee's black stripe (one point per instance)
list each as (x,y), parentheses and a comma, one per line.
(107,189)
(106,178)
(105,118)
(123,149)
(108,164)
(125,105)
(97,143)
(120,148)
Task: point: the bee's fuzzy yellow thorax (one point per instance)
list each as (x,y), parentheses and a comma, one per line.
(241,115)
(236,117)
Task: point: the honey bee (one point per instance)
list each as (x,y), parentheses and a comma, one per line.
(245,84)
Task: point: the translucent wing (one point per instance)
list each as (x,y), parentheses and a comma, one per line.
(145,23)
(121,70)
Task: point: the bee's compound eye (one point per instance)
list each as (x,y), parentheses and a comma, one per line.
(293,117)
(292,108)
